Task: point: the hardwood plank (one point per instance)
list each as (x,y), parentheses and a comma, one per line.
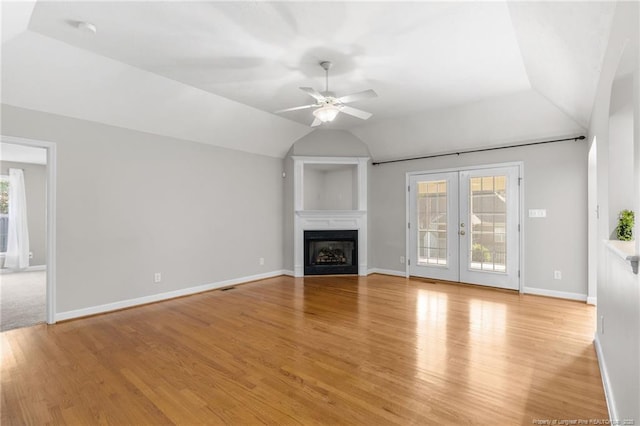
(319,350)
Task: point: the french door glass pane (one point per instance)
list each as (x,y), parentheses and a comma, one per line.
(488,208)
(432,222)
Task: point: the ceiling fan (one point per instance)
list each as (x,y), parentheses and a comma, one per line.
(328,106)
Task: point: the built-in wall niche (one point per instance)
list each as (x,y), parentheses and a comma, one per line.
(330,187)
(330,184)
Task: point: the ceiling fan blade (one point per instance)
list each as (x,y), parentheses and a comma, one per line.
(296,108)
(367,94)
(355,112)
(313,92)
(316,122)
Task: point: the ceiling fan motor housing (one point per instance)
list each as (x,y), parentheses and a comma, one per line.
(326,65)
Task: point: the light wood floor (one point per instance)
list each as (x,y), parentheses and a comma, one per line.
(330,350)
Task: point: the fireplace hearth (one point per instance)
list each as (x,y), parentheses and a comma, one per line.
(331,252)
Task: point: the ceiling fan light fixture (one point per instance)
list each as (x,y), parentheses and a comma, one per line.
(326,113)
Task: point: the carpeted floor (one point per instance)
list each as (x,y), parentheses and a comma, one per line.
(22,299)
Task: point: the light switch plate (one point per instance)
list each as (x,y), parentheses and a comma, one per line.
(537,213)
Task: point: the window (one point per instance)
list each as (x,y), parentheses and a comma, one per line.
(4,212)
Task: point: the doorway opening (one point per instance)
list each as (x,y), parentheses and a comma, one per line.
(27,232)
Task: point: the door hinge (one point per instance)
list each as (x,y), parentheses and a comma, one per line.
(519,180)
(409,262)
(409,225)
(409,188)
(518,227)
(518,274)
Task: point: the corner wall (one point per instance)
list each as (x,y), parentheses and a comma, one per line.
(618,342)
(320,143)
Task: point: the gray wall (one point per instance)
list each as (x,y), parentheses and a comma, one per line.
(35,187)
(620,143)
(329,143)
(130,204)
(555,179)
(618,288)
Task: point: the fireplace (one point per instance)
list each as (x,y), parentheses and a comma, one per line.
(330,252)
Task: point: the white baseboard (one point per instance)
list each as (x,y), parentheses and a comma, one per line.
(592,300)
(288,273)
(28,269)
(606,384)
(387,272)
(555,293)
(93,310)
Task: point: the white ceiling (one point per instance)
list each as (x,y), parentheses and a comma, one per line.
(212,63)
(416,56)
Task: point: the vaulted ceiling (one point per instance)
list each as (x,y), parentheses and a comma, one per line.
(214,72)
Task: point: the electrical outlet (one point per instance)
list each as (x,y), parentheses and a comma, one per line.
(157,277)
(402,259)
(261,261)
(557,275)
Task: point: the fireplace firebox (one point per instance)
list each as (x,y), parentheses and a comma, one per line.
(330,252)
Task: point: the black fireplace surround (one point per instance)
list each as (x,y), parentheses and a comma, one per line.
(330,252)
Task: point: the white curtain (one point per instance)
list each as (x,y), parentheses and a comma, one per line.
(17,255)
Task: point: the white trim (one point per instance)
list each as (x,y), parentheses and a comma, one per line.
(288,273)
(33,268)
(305,159)
(407,220)
(606,382)
(592,300)
(52,173)
(521,236)
(93,310)
(387,272)
(466,168)
(331,213)
(555,293)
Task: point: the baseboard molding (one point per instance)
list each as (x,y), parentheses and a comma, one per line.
(606,383)
(29,269)
(592,300)
(122,304)
(288,273)
(556,294)
(387,272)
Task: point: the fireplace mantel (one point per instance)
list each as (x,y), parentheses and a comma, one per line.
(330,213)
(306,220)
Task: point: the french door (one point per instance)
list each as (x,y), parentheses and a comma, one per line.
(464,226)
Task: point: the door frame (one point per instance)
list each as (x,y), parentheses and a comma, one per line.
(521,234)
(51,174)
